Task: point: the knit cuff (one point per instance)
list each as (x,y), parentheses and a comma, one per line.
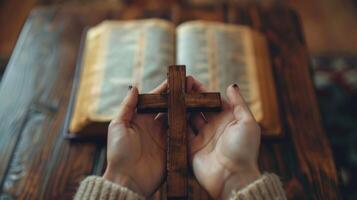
(267,187)
(95,187)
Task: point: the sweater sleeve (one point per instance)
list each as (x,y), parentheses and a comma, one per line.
(267,187)
(95,187)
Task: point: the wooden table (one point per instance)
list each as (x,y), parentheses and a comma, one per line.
(37,163)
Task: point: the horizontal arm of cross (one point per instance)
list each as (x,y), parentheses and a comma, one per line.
(204,102)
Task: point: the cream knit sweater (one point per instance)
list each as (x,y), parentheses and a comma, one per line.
(267,187)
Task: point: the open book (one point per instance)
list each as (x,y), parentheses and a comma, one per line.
(137,52)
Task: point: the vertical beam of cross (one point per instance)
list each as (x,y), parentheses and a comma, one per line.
(177,140)
(177,102)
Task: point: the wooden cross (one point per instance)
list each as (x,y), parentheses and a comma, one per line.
(176,102)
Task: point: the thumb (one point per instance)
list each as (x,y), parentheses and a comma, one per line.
(236,100)
(128,106)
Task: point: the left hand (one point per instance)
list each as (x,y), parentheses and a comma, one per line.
(224,146)
(136,151)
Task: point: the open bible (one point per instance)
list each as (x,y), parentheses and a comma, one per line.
(117,54)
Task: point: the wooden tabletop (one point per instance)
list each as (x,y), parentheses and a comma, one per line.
(37,163)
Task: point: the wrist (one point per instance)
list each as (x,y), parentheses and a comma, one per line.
(239,180)
(122,180)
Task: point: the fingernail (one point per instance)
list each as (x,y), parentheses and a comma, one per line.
(236,86)
(130,87)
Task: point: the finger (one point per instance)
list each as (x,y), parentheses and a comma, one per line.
(225,104)
(128,106)
(195,142)
(198,87)
(189,83)
(193,85)
(191,138)
(161,88)
(161,118)
(191,133)
(197,121)
(241,109)
(161,122)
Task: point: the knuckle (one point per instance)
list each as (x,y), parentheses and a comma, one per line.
(238,109)
(249,121)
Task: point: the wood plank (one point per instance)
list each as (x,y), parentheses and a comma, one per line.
(311,144)
(182,13)
(19,86)
(13,14)
(35,92)
(330,26)
(315,173)
(177,171)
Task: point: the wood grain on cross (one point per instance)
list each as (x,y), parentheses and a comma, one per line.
(177,102)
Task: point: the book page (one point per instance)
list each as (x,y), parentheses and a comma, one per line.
(219,54)
(118,54)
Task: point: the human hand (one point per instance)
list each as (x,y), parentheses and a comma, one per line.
(224,146)
(136,152)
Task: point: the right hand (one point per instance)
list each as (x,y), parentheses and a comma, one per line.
(136,149)
(224,146)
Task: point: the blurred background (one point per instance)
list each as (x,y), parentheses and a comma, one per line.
(330,28)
